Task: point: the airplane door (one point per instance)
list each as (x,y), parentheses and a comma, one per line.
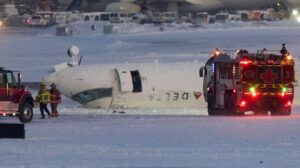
(130,81)
(125,81)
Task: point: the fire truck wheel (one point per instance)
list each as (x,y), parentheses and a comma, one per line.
(282,112)
(26,113)
(230,107)
(260,112)
(210,104)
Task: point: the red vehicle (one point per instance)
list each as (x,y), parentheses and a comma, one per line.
(260,82)
(15,100)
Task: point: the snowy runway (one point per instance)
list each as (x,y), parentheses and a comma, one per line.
(156,141)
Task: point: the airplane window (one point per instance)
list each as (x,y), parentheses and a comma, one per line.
(136,80)
(91,95)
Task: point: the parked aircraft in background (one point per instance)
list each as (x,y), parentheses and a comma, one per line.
(175,5)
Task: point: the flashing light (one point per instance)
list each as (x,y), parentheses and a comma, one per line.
(284,89)
(243,103)
(245,62)
(217,52)
(289,103)
(298,19)
(295,12)
(252,89)
(233,70)
(289,57)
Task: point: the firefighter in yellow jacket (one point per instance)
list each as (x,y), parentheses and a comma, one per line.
(43,98)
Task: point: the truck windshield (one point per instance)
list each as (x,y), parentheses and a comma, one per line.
(2,83)
(11,79)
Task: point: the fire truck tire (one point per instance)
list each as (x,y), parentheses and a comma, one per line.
(260,112)
(282,112)
(230,107)
(210,104)
(26,113)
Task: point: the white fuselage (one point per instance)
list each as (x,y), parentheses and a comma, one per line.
(198,5)
(148,85)
(208,5)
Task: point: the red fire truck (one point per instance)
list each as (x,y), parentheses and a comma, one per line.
(260,82)
(15,100)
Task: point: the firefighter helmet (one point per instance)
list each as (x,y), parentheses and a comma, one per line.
(42,84)
(53,85)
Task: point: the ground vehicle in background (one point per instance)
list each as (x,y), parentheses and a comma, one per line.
(37,21)
(164,17)
(15,100)
(222,17)
(201,17)
(261,82)
(234,16)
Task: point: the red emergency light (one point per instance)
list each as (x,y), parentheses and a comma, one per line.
(245,62)
(243,103)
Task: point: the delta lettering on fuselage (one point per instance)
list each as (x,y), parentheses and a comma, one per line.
(174,96)
(177,96)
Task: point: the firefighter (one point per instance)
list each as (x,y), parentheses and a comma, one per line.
(55,100)
(43,98)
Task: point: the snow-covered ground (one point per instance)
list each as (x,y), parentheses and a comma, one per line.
(84,138)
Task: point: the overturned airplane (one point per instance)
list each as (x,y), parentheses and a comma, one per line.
(122,86)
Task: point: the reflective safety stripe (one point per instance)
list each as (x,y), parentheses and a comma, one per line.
(45,97)
(272,94)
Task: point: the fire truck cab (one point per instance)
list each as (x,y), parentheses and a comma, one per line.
(260,82)
(15,100)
